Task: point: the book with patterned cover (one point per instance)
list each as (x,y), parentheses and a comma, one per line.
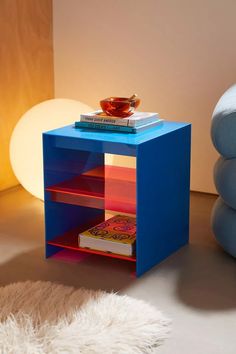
(115,235)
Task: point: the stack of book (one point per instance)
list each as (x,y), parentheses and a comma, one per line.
(115,235)
(138,122)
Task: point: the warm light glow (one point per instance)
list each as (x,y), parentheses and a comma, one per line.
(120,160)
(26,141)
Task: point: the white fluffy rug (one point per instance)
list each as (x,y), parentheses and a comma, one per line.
(43,317)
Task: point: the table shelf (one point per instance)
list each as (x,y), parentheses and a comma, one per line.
(70,241)
(106,187)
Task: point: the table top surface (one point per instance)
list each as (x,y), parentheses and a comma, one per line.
(70,131)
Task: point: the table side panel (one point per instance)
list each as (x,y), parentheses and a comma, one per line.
(60,165)
(163,184)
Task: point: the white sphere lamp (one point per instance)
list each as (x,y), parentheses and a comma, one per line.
(26,152)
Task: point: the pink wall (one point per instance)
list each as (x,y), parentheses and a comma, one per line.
(179,56)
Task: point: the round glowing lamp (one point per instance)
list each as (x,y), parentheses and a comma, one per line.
(26,153)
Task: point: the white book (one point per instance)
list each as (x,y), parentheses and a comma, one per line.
(137,119)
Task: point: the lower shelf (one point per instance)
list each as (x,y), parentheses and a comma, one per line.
(70,241)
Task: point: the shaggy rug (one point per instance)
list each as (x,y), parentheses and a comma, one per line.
(43,317)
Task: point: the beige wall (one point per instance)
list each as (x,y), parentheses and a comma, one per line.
(178,55)
(26,68)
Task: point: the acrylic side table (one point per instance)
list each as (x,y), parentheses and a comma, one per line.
(79,188)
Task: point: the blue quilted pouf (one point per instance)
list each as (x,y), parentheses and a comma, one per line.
(223,133)
(223,221)
(225,180)
(223,127)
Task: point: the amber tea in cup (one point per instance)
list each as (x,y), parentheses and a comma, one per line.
(121,107)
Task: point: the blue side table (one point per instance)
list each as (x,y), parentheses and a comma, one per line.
(162,187)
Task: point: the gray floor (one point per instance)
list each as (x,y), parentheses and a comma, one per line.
(196,287)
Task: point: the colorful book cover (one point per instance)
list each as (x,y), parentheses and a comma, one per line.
(137,119)
(119,229)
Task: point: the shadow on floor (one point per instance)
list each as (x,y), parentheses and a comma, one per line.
(206,279)
(90,272)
